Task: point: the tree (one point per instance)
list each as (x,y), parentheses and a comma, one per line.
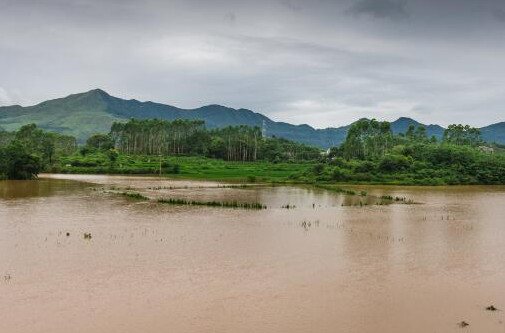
(46,145)
(410,132)
(394,163)
(6,138)
(368,139)
(420,134)
(101,142)
(462,135)
(112,154)
(17,163)
(37,141)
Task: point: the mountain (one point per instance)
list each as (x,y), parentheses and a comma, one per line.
(85,114)
(494,133)
(401,125)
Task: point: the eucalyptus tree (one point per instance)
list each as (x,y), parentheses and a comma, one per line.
(368,139)
(462,135)
(155,137)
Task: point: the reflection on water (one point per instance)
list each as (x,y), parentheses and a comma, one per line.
(19,189)
(320,267)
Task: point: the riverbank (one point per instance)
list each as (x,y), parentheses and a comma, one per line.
(185,167)
(308,172)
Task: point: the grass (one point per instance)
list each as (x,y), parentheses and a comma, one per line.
(226,204)
(382,200)
(338,190)
(134,195)
(179,201)
(202,168)
(188,167)
(391,198)
(288,206)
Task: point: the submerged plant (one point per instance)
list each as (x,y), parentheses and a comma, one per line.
(391,198)
(288,206)
(135,195)
(336,189)
(227,204)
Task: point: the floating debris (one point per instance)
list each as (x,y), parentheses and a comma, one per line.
(87,235)
(463,324)
(491,308)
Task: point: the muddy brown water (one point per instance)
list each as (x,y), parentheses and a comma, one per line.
(320,267)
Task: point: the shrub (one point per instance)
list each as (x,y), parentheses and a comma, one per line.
(394,163)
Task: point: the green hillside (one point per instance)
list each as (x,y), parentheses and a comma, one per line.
(494,133)
(79,115)
(85,114)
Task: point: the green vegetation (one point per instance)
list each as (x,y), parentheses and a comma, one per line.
(185,202)
(134,195)
(183,167)
(23,154)
(191,138)
(372,154)
(17,163)
(336,189)
(84,114)
(186,149)
(226,204)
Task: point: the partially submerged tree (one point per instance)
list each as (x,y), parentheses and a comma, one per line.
(17,163)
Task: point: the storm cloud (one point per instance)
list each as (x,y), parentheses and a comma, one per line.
(380,9)
(322,62)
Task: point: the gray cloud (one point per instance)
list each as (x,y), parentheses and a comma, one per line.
(231,18)
(297,61)
(379,9)
(499,14)
(291,5)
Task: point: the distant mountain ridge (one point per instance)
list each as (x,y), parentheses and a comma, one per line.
(85,114)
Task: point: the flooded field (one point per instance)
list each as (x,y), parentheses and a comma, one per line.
(330,263)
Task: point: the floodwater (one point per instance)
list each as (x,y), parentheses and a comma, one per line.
(327,265)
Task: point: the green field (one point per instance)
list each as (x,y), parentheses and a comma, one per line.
(187,167)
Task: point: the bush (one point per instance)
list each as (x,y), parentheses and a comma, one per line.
(394,163)
(176,169)
(318,168)
(338,161)
(365,167)
(338,174)
(17,163)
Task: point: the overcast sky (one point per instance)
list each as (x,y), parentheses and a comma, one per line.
(320,62)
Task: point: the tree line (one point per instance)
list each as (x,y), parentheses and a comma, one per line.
(372,153)
(192,138)
(24,153)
